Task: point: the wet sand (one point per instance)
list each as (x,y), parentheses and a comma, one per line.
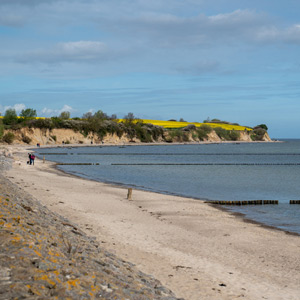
(197,251)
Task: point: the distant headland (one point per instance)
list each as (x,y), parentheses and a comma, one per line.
(99,128)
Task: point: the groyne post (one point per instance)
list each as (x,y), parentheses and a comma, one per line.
(129,194)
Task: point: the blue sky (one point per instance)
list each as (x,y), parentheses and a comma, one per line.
(235,60)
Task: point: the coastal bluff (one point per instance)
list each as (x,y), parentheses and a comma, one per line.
(58,136)
(45,256)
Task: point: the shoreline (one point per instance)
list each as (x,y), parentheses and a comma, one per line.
(187,245)
(162,193)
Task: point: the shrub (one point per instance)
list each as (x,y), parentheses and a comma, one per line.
(258,134)
(222,133)
(178,135)
(206,128)
(185,137)
(1,129)
(26,139)
(228,135)
(194,136)
(53,137)
(203,132)
(263,126)
(234,135)
(41,123)
(190,127)
(155,131)
(8,137)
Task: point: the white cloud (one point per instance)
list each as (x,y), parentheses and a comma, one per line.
(55,112)
(169,30)
(81,51)
(47,111)
(199,67)
(10,19)
(67,108)
(17,107)
(274,34)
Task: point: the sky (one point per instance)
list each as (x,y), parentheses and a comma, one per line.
(235,60)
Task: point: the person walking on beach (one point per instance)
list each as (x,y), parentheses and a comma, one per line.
(32,158)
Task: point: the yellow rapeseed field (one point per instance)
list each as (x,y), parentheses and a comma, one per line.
(175,124)
(1,117)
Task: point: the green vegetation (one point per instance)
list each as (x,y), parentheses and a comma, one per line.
(263,126)
(258,134)
(178,135)
(1,129)
(98,123)
(8,138)
(203,132)
(26,139)
(65,115)
(228,135)
(10,117)
(28,113)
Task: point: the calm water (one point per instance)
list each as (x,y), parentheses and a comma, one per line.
(267,171)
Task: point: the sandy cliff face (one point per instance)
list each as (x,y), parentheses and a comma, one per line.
(266,138)
(59,136)
(213,137)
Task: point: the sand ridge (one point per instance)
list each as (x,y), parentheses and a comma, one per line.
(197,251)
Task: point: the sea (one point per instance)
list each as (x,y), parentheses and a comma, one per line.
(224,171)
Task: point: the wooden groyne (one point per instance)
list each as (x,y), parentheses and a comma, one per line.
(246,202)
(77,164)
(294,201)
(250,202)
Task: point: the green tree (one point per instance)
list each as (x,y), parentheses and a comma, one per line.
(129,118)
(28,113)
(65,115)
(100,115)
(87,115)
(10,117)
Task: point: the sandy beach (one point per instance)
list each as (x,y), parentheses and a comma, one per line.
(196,250)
